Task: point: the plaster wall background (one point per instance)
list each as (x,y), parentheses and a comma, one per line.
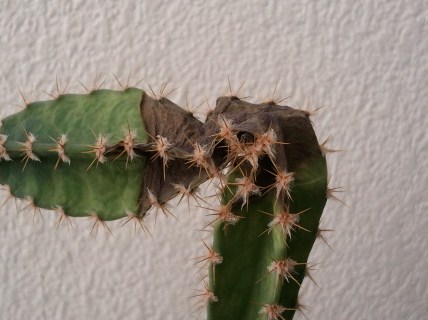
(367,61)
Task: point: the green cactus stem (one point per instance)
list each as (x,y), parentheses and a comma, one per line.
(59,153)
(108,154)
(269,219)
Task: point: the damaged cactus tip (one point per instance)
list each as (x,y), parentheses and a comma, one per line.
(119,154)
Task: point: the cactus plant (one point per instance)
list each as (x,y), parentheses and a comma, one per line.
(119,154)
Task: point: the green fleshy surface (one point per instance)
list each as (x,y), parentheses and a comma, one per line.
(107,189)
(242,282)
(309,191)
(82,117)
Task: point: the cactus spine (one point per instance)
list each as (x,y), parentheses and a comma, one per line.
(118,154)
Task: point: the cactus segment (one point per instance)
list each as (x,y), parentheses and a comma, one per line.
(77,152)
(277,189)
(264,261)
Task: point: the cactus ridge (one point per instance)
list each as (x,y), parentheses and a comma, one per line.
(120,154)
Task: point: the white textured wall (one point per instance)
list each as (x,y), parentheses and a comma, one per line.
(367,61)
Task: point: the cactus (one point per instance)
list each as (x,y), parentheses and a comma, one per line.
(264,240)
(119,154)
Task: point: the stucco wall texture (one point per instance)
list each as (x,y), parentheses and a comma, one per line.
(366,61)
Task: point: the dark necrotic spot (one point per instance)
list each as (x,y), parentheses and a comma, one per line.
(245,137)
